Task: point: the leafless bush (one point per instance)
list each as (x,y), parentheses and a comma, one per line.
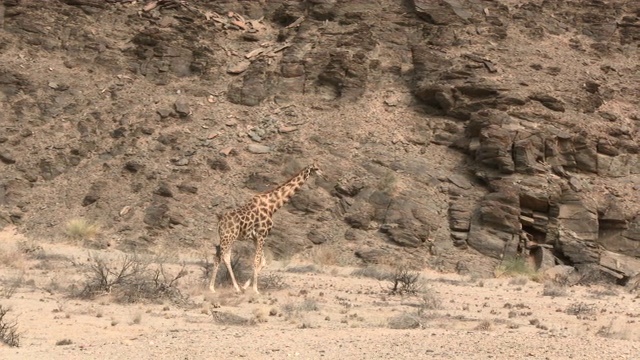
(11,285)
(582,311)
(8,329)
(404,282)
(271,281)
(600,294)
(131,280)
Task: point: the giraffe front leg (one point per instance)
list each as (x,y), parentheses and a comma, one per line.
(246,285)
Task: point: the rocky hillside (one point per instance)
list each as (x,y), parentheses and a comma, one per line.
(454,133)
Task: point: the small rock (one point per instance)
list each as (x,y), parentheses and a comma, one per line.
(176,219)
(164,113)
(118,133)
(182,108)
(182,162)
(255,137)
(227,151)
(239,67)
(287,129)
(391,101)
(575,183)
(549,102)
(90,199)
(6,157)
(316,237)
(608,116)
(133,166)
(219,164)
(163,190)
(460,181)
(188,188)
(258,149)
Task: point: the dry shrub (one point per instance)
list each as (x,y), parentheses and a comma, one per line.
(227,318)
(11,285)
(553,289)
(304,269)
(294,309)
(405,282)
(609,331)
(519,280)
(8,329)
(484,325)
(11,257)
(429,301)
(582,311)
(131,280)
(388,183)
(326,255)
(516,267)
(271,281)
(374,272)
(404,321)
(81,229)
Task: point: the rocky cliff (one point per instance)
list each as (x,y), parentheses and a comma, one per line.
(455,133)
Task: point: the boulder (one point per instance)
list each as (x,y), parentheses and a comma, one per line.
(576,249)
(579,215)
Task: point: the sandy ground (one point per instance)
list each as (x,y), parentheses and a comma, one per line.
(321,312)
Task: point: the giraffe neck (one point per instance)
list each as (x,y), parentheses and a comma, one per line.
(280,195)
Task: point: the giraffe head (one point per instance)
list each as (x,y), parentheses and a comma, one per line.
(314,168)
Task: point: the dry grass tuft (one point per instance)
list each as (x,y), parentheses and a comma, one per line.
(374,272)
(230,319)
(553,289)
(81,229)
(484,325)
(516,267)
(404,321)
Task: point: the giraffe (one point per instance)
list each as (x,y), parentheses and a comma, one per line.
(254,220)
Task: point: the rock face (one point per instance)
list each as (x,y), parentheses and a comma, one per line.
(449,137)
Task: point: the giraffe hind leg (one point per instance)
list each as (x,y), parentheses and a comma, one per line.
(217,259)
(258,262)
